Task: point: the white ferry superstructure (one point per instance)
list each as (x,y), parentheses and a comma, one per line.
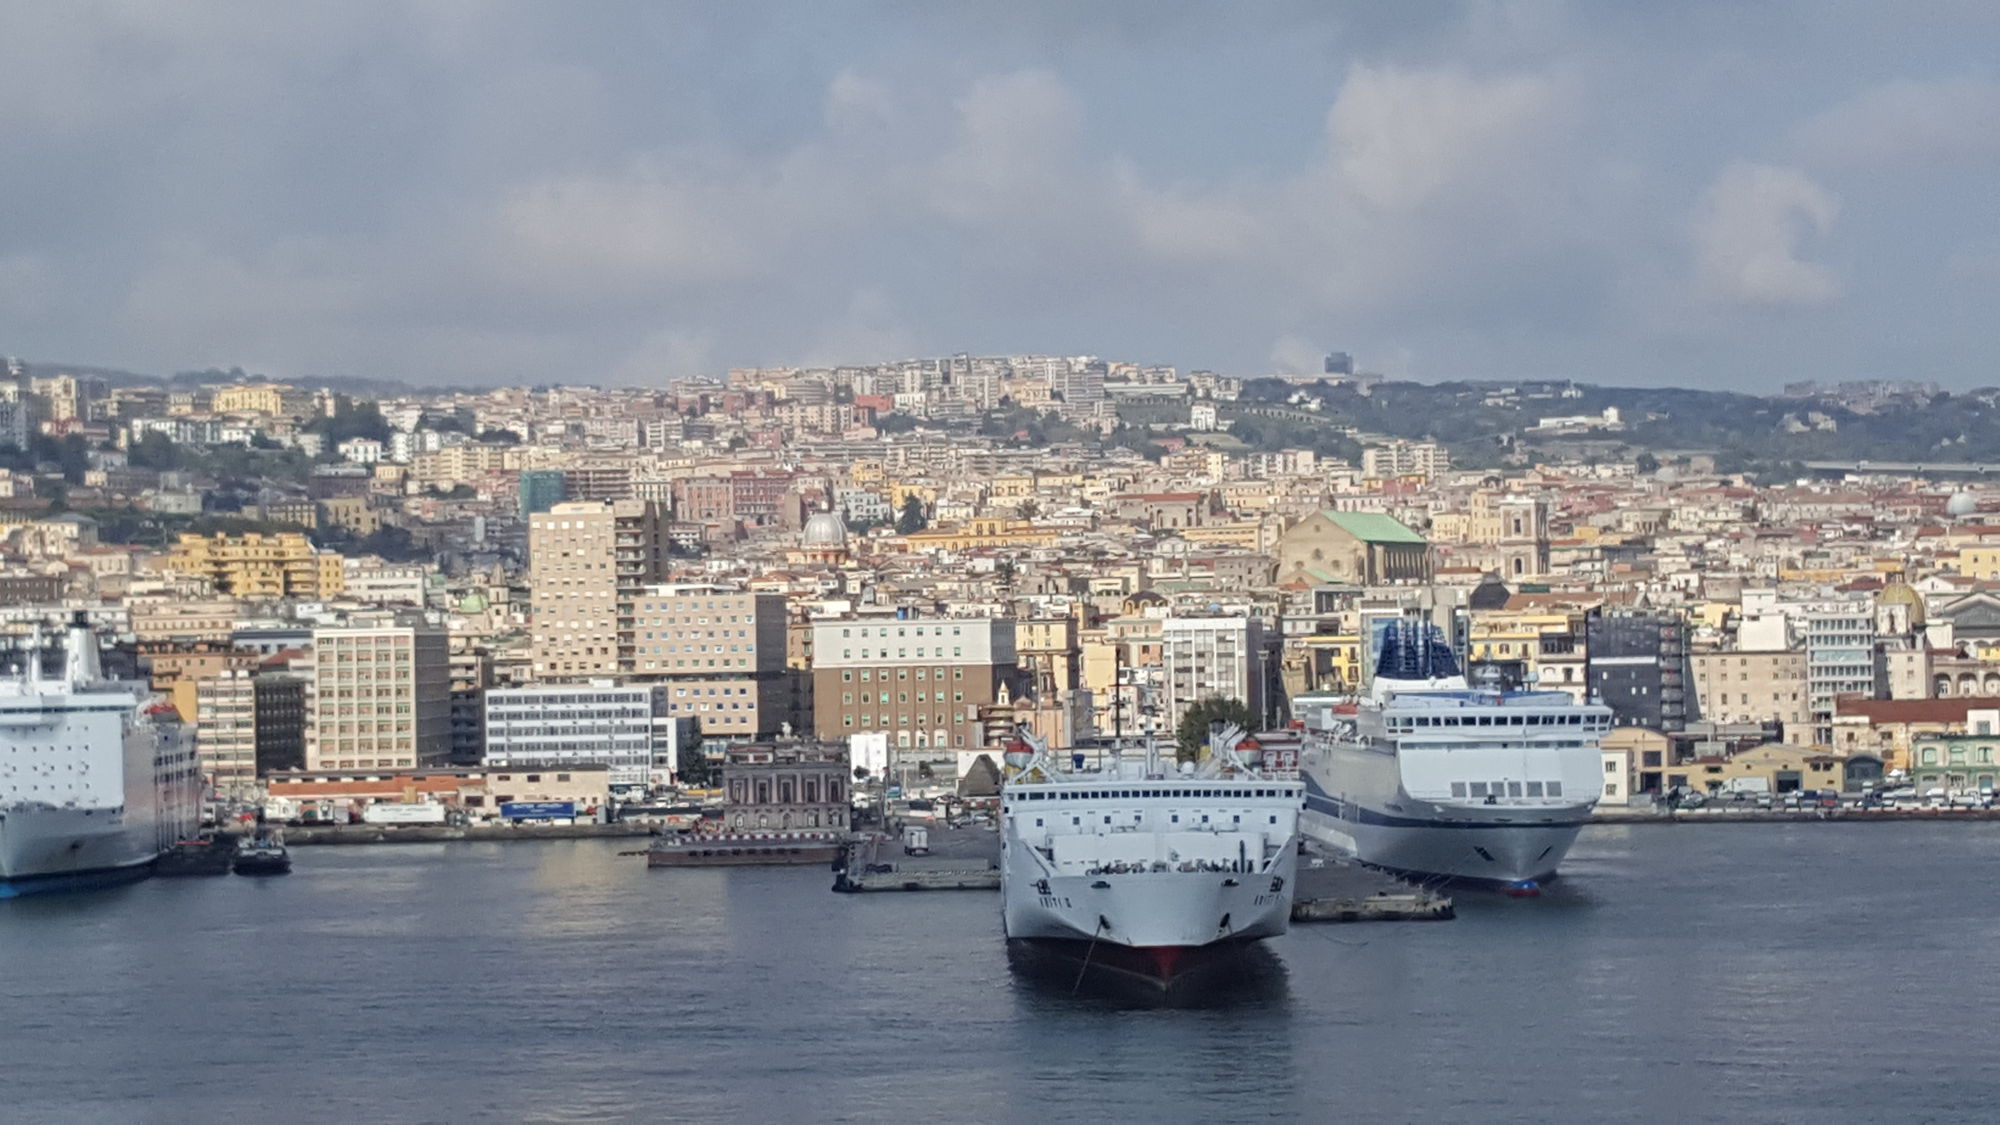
(1145,867)
(96,780)
(1429,776)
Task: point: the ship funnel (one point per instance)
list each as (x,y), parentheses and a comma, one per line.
(80,664)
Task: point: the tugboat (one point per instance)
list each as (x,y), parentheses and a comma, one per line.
(266,855)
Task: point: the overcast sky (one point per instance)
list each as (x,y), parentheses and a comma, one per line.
(1727,194)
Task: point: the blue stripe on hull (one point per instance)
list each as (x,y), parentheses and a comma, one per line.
(74,881)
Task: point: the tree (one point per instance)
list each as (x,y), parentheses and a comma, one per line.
(912,517)
(500,437)
(1646,463)
(695,770)
(154,451)
(1191,737)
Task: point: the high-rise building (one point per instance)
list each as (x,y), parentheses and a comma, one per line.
(587,562)
(1212,658)
(1637,663)
(1840,660)
(541,489)
(921,680)
(720,653)
(380,696)
(225,733)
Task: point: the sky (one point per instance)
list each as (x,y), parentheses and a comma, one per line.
(1727,194)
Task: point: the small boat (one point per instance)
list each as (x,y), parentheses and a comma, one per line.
(266,855)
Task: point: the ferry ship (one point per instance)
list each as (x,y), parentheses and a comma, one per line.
(96,779)
(1430,776)
(1145,868)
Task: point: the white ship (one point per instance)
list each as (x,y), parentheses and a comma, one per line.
(1143,867)
(1430,776)
(94,784)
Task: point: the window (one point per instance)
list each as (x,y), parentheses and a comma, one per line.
(1611,767)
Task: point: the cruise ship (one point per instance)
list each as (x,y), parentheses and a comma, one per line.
(96,779)
(1430,776)
(1146,868)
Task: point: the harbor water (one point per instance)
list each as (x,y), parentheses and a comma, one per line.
(1717,972)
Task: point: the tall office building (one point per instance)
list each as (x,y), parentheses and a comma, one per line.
(624,728)
(720,653)
(380,696)
(920,680)
(588,561)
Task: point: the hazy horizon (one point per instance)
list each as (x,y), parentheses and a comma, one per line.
(1715,195)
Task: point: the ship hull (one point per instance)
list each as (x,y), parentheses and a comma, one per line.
(1146,968)
(1443,848)
(1356,804)
(1156,926)
(50,849)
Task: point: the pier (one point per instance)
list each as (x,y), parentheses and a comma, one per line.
(1332,889)
(960,859)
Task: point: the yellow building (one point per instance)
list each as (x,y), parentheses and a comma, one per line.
(974,534)
(1251,535)
(260,566)
(1982,563)
(1013,487)
(249,398)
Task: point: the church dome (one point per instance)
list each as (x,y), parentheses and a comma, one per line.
(1898,592)
(824,531)
(1961,504)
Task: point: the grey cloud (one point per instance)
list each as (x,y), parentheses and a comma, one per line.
(636,191)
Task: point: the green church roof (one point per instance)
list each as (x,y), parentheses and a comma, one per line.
(1373,527)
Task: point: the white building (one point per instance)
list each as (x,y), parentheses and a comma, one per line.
(361,451)
(623,728)
(1405,459)
(1211,657)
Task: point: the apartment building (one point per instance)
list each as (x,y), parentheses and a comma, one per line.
(588,560)
(246,725)
(380,695)
(1211,657)
(721,653)
(919,679)
(1753,687)
(254,565)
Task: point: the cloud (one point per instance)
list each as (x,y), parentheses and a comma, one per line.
(1401,137)
(1753,222)
(665,355)
(1906,125)
(511,191)
(1296,355)
(868,326)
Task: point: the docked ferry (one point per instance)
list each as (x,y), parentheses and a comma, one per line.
(1148,868)
(1431,776)
(97,778)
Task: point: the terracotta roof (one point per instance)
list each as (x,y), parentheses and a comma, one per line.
(1913,710)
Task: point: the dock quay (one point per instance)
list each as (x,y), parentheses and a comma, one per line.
(959,860)
(1332,889)
(445,833)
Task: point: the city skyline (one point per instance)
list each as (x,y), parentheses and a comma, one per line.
(1727,197)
